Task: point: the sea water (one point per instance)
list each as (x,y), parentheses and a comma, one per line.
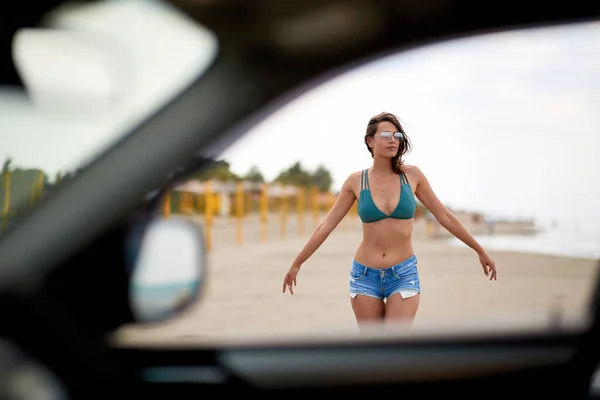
(579,239)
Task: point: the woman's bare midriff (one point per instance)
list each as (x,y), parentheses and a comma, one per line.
(385,243)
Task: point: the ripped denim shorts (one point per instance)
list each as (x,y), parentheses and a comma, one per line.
(381,283)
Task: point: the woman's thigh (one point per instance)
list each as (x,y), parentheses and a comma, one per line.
(367,309)
(402,310)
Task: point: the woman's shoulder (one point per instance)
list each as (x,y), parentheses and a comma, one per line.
(412,170)
(356,174)
(353,179)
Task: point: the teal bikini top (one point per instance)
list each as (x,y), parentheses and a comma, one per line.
(368,211)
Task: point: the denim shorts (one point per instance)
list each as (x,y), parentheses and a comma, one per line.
(381,283)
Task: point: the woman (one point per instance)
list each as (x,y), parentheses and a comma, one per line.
(384,280)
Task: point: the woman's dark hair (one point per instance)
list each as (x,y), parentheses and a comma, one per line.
(403,148)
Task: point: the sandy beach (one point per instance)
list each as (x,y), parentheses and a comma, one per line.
(242,294)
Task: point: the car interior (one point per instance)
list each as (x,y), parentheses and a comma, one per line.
(70,261)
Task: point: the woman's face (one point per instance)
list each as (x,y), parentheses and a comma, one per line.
(385,142)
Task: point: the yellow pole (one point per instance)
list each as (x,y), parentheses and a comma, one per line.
(239,210)
(208,212)
(198,206)
(217,198)
(264,211)
(167,205)
(247,202)
(283,209)
(182,202)
(32,194)
(40,184)
(6,198)
(189,203)
(300,210)
(314,197)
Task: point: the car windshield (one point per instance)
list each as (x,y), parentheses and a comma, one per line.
(504,126)
(91,72)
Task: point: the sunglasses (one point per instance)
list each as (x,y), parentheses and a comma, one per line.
(389,135)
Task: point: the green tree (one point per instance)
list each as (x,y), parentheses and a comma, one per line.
(219,171)
(322,179)
(254,175)
(296,175)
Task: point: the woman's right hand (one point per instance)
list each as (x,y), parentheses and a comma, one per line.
(290,278)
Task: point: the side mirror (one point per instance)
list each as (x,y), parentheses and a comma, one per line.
(168,270)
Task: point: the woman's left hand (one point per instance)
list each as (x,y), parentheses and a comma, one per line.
(489,266)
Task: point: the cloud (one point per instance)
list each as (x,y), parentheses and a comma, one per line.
(501,122)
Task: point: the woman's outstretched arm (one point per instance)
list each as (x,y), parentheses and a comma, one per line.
(428,198)
(340,209)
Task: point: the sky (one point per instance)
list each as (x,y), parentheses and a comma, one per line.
(505,124)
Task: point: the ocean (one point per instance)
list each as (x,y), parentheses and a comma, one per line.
(577,239)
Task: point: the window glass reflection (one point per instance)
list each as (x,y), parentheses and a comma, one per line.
(505,128)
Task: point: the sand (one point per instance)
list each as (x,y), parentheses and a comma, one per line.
(242,294)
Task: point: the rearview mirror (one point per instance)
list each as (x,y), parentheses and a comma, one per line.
(168,269)
(84,74)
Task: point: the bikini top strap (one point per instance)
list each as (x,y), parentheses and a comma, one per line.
(403,178)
